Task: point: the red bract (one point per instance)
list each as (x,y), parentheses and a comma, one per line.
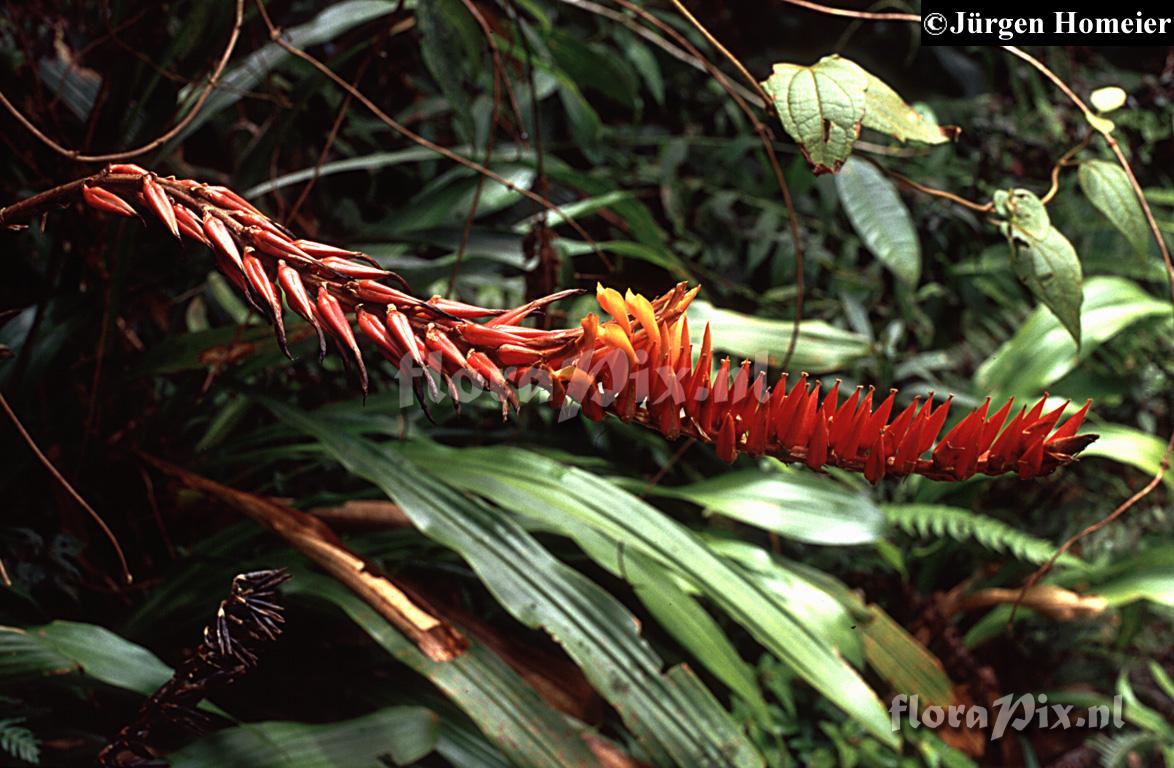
(639,365)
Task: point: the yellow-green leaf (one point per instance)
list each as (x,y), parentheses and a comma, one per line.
(824,106)
(821,107)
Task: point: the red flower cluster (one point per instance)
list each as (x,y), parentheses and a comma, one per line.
(638,365)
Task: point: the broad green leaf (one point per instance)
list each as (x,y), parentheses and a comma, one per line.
(936,521)
(1107,186)
(887,112)
(799,505)
(821,107)
(507,710)
(62,647)
(405,734)
(881,219)
(820,348)
(1051,270)
(1042,258)
(784,621)
(243,77)
(1042,351)
(1126,445)
(673,715)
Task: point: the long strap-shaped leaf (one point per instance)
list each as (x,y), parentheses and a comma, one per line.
(676,719)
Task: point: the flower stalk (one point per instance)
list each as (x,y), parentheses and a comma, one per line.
(637,365)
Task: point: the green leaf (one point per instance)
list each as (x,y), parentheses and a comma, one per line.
(405,734)
(903,661)
(821,107)
(62,647)
(1107,186)
(683,617)
(935,521)
(19,741)
(1042,258)
(507,710)
(1126,445)
(820,348)
(1051,270)
(555,493)
(1042,351)
(452,47)
(887,112)
(673,715)
(244,77)
(880,217)
(799,505)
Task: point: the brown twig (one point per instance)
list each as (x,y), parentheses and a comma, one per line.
(69,489)
(1098,525)
(437,639)
(927,190)
(499,74)
(1064,161)
(1095,121)
(764,137)
(159,141)
(410,135)
(334,127)
(866,15)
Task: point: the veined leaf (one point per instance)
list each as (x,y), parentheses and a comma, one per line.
(880,217)
(1107,187)
(553,492)
(820,348)
(823,107)
(799,505)
(1041,256)
(406,734)
(673,715)
(1042,351)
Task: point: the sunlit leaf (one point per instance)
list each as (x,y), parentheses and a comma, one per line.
(799,505)
(672,714)
(821,347)
(1042,351)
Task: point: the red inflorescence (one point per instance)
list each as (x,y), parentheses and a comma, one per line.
(638,366)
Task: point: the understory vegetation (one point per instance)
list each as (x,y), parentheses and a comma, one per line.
(217,555)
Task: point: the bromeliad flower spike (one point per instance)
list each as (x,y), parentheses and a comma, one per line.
(638,365)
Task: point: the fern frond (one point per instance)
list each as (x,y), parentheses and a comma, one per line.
(1121,751)
(19,741)
(936,521)
(637,366)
